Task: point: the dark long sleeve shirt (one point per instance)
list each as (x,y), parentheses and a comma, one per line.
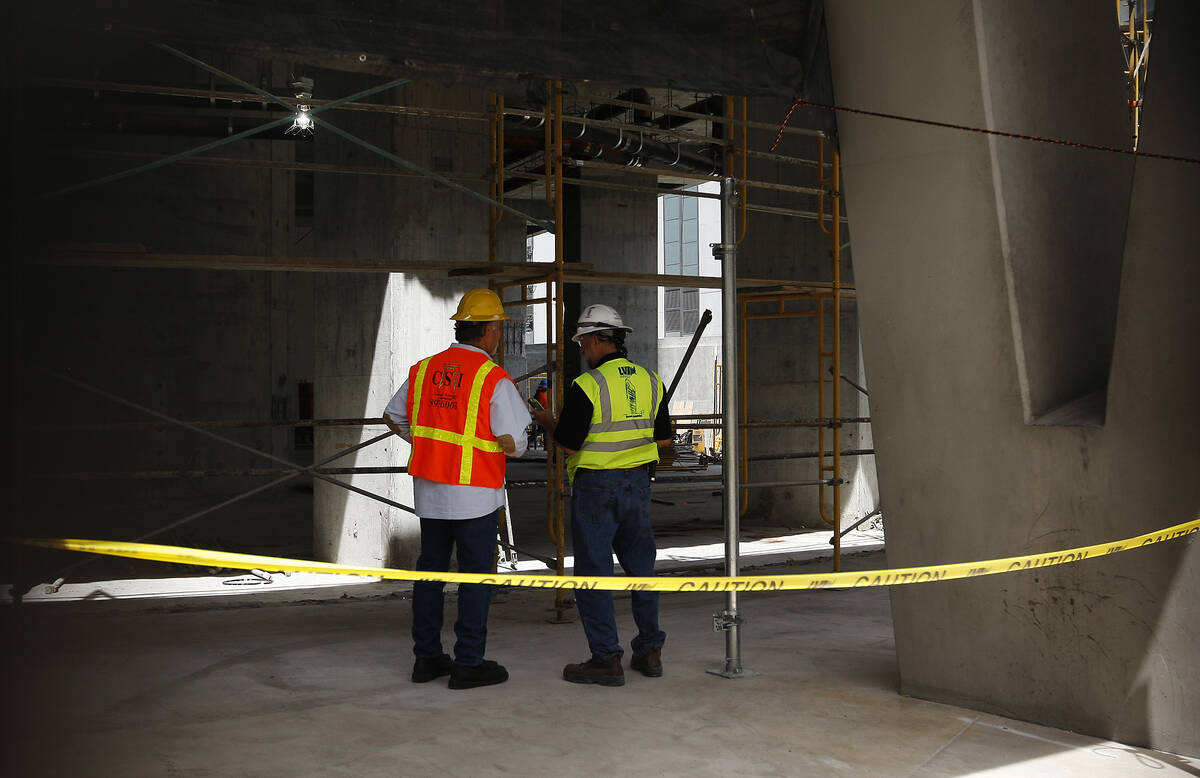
(576,416)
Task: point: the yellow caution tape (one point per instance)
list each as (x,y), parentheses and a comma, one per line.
(741,583)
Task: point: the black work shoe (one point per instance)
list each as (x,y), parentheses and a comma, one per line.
(470,676)
(606,672)
(426,668)
(648,663)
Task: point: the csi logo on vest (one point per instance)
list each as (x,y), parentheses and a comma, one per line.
(445,382)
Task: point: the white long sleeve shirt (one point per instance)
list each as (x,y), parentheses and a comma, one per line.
(435,500)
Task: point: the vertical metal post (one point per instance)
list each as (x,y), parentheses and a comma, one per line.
(495,192)
(555,109)
(496,177)
(17,523)
(553,371)
(728,620)
(743,373)
(836,227)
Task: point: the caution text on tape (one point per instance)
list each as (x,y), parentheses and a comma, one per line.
(741,583)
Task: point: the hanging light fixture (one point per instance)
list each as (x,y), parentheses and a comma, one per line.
(303,122)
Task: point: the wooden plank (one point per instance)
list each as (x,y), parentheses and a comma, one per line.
(748,285)
(126,255)
(691,176)
(514,270)
(241,262)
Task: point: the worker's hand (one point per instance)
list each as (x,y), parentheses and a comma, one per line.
(542,417)
(507,443)
(666,456)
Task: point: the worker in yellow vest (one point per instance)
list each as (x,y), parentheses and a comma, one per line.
(462,414)
(612,424)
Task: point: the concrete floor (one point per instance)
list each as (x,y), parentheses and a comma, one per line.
(275,684)
(277,680)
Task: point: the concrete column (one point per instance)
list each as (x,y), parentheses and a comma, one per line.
(986,273)
(1153,457)
(370,328)
(618,233)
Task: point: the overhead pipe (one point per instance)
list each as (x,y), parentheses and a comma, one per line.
(593,142)
(715,116)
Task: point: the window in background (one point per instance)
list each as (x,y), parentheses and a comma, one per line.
(681,257)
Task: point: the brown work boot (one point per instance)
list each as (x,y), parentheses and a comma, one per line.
(606,672)
(648,663)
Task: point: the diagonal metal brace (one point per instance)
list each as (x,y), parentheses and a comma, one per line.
(299,469)
(549,226)
(223,141)
(353,138)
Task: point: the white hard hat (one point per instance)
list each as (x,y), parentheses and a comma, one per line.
(596,318)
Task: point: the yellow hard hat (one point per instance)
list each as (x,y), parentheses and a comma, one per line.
(480,305)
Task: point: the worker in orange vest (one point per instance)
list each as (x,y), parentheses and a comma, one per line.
(462,414)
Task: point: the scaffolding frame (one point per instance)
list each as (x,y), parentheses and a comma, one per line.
(502,276)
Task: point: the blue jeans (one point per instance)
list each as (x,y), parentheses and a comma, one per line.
(610,511)
(475,540)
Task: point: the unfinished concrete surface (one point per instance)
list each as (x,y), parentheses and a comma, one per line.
(370,327)
(952,229)
(202,688)
(1005,290)
(618,232)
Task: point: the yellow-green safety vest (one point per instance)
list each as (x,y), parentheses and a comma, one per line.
(625,399)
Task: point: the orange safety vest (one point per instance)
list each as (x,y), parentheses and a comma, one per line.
(450,419)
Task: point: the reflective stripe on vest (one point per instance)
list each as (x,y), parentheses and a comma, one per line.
(468,440)
(614,442)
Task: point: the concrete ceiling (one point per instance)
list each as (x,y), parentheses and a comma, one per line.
(737,47)
(667,54)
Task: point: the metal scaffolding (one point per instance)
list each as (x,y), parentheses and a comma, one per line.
(741,297)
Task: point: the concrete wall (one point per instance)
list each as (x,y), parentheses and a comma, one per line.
(975,259)
(193,344)
(372,327)
(618,232)
(226,345)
